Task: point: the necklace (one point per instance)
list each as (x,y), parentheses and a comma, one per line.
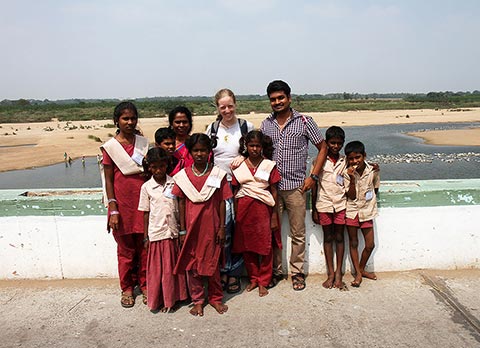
(229,124)
(254,167)
(195,170)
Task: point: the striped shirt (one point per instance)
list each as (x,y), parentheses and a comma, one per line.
(291,146)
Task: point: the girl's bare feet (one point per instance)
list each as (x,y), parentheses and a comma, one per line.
(357,281)
(369,275)
(262,291)
(251,286)
(219,307)
(328,284)
(339,284)
(197,310)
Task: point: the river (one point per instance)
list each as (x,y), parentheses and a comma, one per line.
(401,157)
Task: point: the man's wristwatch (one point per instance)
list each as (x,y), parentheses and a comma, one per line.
(314,177)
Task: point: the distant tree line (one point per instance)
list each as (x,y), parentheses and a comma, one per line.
(31,110)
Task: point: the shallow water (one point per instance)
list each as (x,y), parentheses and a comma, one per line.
(392,140)
(378,140)
(60,175)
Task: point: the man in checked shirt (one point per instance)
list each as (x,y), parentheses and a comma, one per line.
(290,132)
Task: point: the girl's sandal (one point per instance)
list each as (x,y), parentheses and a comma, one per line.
(127,301)
(144,298)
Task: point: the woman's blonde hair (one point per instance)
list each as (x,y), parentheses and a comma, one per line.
(224,92)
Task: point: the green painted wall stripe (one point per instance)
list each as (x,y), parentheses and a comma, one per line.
(85,202)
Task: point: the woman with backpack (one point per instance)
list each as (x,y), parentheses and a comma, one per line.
(226,132)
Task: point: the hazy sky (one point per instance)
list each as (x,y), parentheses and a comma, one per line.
(129,49)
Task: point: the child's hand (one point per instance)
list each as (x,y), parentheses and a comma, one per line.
(375,167)
(113,222)
(274,222)
(181,240)
(221,235)
(315,217)
(351,170)
(236,162)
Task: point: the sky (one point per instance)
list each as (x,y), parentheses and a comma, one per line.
(145,48)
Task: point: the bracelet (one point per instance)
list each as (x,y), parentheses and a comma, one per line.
(145,239)
(182,232)
(110,200)
(314,177)
(114,212)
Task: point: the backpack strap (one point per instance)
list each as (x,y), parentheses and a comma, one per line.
(214,128)
(241,122)
(243,126)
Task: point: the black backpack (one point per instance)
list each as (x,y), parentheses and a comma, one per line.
(214,129)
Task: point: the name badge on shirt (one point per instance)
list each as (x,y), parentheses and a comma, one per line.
(340,179)
(138,158)
(262,175)
(369,195)
(213,181)
(168,192)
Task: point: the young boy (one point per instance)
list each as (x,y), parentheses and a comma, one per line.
(165,139)
(328,206)
(361,182)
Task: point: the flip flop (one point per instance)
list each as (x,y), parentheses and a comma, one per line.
(127,301)
(234,287)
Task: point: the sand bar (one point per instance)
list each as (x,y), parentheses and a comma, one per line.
(453,137)
(27,145)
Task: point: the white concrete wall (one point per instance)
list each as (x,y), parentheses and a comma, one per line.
(412,238)
(79,247)
(56,247)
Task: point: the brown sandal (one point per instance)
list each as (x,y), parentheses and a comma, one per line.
(298,281)
(127,301)
(144,298)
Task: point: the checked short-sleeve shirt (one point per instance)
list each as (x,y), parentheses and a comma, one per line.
(291,146)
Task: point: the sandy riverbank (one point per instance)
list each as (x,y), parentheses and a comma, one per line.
(26,145)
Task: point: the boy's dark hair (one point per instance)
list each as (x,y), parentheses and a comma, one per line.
(120,108)
(164,133)
(199,138)
(155,154)
(355,146)
(182,110)
(265,140)
(335,132)
(278,86)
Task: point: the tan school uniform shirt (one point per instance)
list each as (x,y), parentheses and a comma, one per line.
(163,207)
(365,205)
(331,195)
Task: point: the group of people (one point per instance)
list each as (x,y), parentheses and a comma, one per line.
(197,210)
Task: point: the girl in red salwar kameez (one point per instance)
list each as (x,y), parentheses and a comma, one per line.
(256,209)
(202,190)
(122,159)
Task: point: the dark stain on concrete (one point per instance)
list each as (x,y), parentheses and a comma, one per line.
(460,314)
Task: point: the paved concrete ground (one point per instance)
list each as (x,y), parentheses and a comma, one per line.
(407,309)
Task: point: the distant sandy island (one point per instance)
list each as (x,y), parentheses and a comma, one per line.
(28,145)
